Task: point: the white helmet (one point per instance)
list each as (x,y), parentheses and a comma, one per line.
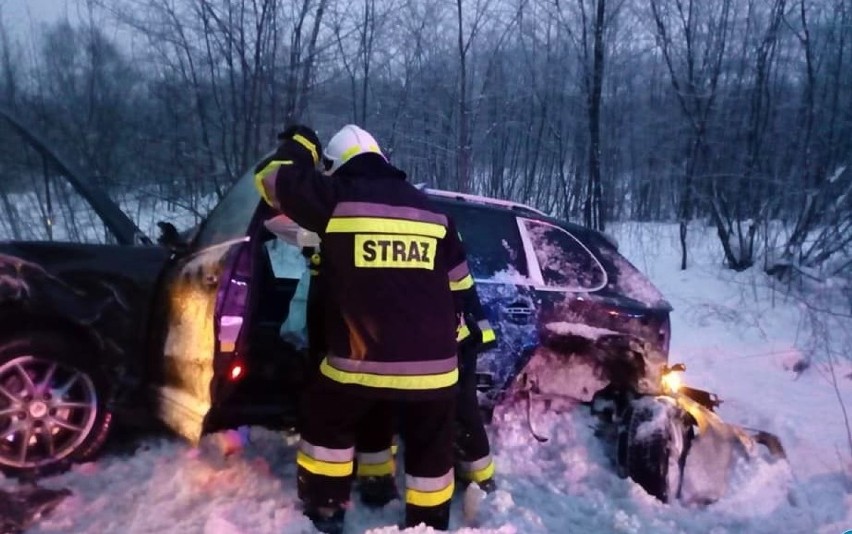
(347,143)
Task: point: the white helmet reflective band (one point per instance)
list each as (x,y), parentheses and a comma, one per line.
(347,143)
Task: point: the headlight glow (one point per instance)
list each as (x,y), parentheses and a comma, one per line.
(672,381)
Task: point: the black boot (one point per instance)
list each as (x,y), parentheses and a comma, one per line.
(327,519)
(376,492)
(489,485)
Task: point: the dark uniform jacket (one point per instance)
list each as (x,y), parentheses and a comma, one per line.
(389,258)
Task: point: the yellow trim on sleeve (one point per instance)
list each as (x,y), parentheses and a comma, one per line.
(461,285)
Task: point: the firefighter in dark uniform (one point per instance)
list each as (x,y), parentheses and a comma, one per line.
(375,464)
(475,335)
(374,451)
(390,323)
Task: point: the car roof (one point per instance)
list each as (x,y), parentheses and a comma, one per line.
(515,208)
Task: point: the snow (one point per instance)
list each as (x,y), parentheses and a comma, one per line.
(737,338)
(578,329)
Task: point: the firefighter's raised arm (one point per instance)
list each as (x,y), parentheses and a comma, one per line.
(290,182)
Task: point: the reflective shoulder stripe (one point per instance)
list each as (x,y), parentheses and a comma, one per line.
(409,382)
(387,211)
(271,167)
(307,144)
(463,284)
(319,467)
(379,225)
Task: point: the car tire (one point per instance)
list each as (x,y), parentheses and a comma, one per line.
(653,459)
(53,406)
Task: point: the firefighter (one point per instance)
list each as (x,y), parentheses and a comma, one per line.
(474,335)
(374,452)
(387,255)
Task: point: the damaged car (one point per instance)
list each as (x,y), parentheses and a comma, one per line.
(190,330)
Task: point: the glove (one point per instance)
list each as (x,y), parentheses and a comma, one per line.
(297,137)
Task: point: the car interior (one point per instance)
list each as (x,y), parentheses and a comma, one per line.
(275,368)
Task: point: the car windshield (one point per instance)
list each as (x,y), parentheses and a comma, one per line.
(231,218)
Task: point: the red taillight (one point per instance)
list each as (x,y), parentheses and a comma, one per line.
(236,371)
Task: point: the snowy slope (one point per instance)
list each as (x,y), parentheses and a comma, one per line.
(735,340)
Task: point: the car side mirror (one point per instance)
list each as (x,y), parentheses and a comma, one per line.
(170,237)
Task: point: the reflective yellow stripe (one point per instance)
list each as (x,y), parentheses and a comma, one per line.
(480,474)
(463,332)
(378,225)
(319,467)
(355,150)
(410,382)
(376,470)
(488,336)
(461,285)
(394,448)
(307,144)
(271,167)
(429,498)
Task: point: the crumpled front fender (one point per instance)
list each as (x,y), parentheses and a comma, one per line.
(713,452)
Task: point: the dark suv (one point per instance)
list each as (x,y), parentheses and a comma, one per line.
(113,327)
(542,280)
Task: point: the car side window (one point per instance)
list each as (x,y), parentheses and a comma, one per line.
(565,263)
(492,241)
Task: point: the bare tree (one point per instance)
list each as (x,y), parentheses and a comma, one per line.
(692,36)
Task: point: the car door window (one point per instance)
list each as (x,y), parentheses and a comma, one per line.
(492,241)
(565,263)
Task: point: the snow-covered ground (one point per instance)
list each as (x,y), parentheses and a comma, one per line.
(736,338)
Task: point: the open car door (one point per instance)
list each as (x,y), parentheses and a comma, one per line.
(203,303)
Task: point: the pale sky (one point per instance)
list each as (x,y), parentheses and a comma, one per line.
(22,17)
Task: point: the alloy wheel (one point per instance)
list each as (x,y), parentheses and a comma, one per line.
(47,410)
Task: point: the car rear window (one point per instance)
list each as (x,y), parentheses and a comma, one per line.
(491,239)
(564,261)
